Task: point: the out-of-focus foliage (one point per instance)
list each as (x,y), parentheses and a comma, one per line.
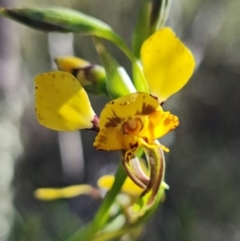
(203,165)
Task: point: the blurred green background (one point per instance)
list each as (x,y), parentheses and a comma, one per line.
(203,164)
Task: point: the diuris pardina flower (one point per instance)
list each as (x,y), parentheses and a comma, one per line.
(130,122)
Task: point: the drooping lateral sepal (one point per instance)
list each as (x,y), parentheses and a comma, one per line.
(58,20)
(150,195)
(133,169)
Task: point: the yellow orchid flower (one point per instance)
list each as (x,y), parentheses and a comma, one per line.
(129,122)
(137,120)
(132,121)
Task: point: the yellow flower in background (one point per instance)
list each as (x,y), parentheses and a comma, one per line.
(51,194)
(104,183)
(68,64)
(129,187)
(91,76)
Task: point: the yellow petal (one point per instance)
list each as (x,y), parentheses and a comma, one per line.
(75,66)
(129,187)
(49,194)
(68,64)
(167,63)
(61,102)
(121,113)
(159,124)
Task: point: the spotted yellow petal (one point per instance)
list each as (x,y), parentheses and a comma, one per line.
(167,63)
(120,116)
(129,187)
(61,102)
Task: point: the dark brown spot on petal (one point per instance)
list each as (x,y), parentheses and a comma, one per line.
(154,97)
(146,109)
(113,121)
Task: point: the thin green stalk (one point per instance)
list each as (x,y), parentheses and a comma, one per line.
(138,76)
(141,220)
(102,215)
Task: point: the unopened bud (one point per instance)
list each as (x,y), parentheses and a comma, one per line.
(91,76)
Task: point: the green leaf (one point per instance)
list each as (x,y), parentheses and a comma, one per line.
(152,16)
(117,81)
(57,19)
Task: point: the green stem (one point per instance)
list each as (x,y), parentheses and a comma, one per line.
(141,220)
(138,76)
(102,214)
